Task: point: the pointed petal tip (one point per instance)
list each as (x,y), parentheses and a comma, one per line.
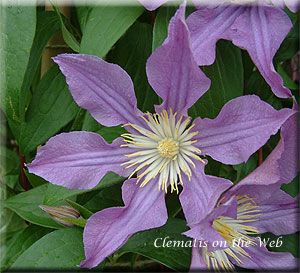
(86,264)
(59,57)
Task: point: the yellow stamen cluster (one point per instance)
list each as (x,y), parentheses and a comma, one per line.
(163,147)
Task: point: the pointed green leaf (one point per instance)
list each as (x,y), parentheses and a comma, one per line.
(26,204)
(68,37)
(17,32)
(51,108)
(106,24)
(58,250)
(160,30)
(47,26)
(20,243)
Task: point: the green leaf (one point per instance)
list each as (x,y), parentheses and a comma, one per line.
(58,250)
(47,26)
(226,84)
(109,197)
(78,121)
(34,180)
(176,257)
(83,211)
(83,13)
(216,168)
(244,169)
(26,204)
(105,25)
(10,224)
(111,133)
(90,124)
(9,166)
(55,193)
(288,82)
(51,108)
(160,29)
(68,37)
(173,204)
(20,243)
(80,222)
(17,32)
(257,85)
(131,53)
(292,188)
(290,45)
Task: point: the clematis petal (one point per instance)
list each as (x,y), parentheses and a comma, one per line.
(260,30)
(152,4)
(78,160)
(281,165)
(262,259)
(279,213)
(197,261)
(288,162)
(102,88)
(207,26)
(242,127)
(200,195)
(172,70)
(203,231)
(110,228)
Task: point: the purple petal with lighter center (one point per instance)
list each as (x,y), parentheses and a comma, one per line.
(109,229)
(172,70)
(78,160)
(207,26)
(200,195)
(241,128)
(260,30)
(152,4)
(262,259)
(102,88)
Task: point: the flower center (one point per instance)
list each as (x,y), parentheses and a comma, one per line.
(234,232)
(163,147)
(168,147)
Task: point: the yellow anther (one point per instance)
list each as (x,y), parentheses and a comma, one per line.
(168,147)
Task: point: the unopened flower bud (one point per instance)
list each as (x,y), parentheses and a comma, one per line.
(61,212)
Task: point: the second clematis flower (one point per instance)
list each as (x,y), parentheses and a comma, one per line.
(253,206)
(161,148)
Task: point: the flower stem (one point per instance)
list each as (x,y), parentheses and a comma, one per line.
(153,18)
(24,180)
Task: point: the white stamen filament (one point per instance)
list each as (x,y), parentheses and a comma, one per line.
(165,148)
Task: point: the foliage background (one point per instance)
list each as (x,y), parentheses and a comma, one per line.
(36,106)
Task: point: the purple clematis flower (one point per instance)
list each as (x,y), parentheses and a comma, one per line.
(255,205)
(258,29)
(161,148)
